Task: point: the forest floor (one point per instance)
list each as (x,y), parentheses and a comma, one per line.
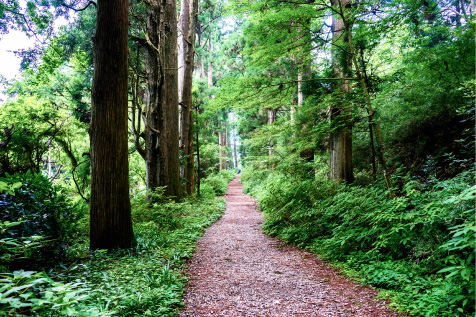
(237,270)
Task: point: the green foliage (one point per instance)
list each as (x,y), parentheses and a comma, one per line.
(40,210)
(29,292)
(217,184)
(24,134)
(14,248)
(421,244)
(160,210)
(9,189)
(148,280)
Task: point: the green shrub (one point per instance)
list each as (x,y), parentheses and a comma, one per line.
(207,191)
(28,292)
(218,182)
(42,210)
(430,226)
(160,210)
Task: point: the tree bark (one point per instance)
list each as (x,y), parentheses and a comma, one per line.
(222,153)
(153,113)
(169,141)
(340,142)
(199,174)
(187,25)
(111,224)
(161,113)
(234,150)
(271,119)
(210,64)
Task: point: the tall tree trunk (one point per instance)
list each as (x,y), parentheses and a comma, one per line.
(111,224)
(210,64)
(169,141)
(161,113)
(340,143)
(187,25)
(271,119)
(234,151)
(153,112)
(222,153)
(199,170)
(50,173)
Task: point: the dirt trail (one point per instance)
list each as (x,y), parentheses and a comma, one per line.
(239,271)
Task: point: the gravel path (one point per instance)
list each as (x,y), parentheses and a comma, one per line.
(239,271)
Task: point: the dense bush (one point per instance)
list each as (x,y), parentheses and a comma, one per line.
(420,245)
(147,280)
(159,209)
(43,211)
(218,183)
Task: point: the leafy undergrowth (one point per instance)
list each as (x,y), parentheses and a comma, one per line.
(418,247)
(147,280)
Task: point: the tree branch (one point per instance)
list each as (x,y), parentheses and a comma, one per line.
(79,10)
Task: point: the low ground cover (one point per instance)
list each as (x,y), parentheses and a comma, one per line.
(419,247)
(147,280)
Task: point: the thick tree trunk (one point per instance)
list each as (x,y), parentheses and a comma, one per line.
(182,38)
(111,225)
(234,151)
(161,113)
(187,27)
(169,141)
(340,142)
(200,73)
(153,112)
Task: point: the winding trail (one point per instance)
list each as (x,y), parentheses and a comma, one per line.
(239,271)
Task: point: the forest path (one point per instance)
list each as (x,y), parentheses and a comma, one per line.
(239,271)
